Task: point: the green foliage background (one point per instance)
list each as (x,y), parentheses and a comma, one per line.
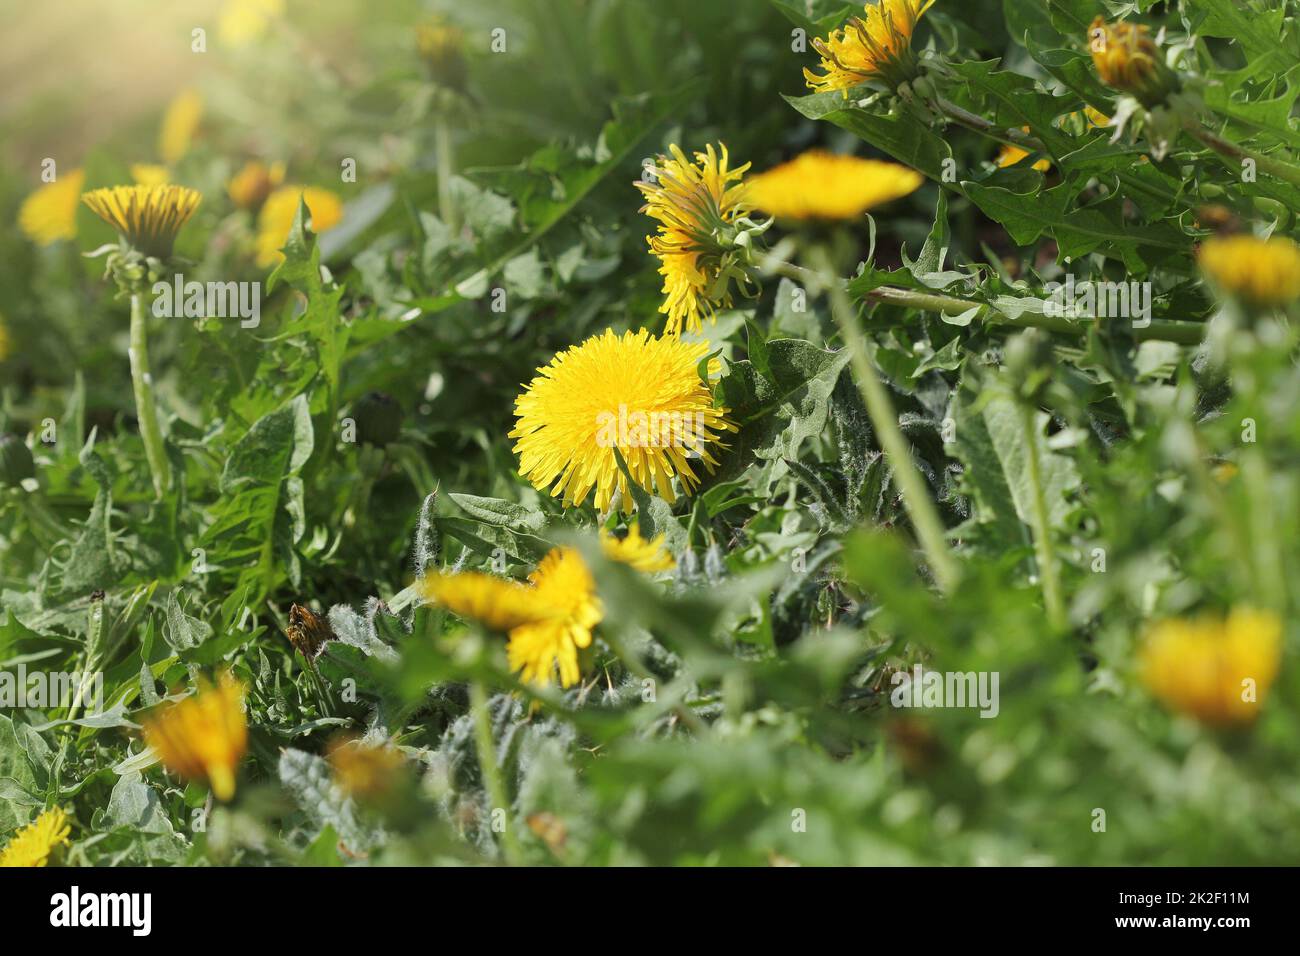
(797,589)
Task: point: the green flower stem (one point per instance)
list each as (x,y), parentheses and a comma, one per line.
(487,761)
(1164,330)
(1281,169)
(916,496)
(446,169)
(1048,573)
(146,409)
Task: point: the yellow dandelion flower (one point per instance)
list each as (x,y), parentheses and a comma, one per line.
(33,844)
(243,21)
(50,213)
(1009,155)
(821,185)
(696,205)
(363,771)
(148,217)
(499,604)
(441,46)
(634,550)
(6,341)
(150,174)
(1096,117)
(204,736)
(876,48)
(1264,273)
(547,620)
(276,218)
(542,649)
(249,187)
(179,124)
(636,393)
(1216,670)
(1128,60)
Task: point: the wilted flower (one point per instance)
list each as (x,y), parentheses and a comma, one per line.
(1263,273)
(634,550)
(637,394)
(548,619)
(179,124)
(878,47)
(821,185)
(276,218)
(33,844)
(697,206)
(148,217)
(249,187)
(204,736)
(1216,670)
(50,213)
(1128,60)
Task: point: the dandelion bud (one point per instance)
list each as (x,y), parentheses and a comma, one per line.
(1128,60)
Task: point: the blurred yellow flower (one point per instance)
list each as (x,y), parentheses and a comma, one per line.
(6,342)
(1010,155)
(541,649)
(150,174)
(1128,60)
(33,844)
(1218,671)
(821,185)
(255,180)
(243,21)
(148,217)
(548,619)
(1261,272)
(497,603)
(204,736)
(696,205)
(638,394)
(50,213)
(179,124)
(1096,117)
(879,47)
(363,771)
(634,550)
(276,218)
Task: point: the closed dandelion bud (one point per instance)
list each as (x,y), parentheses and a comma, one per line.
(442,49)
(15,461)
(379,419)
(1128,60)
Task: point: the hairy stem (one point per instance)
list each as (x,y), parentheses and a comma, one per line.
(146,408)
(487,761)
(1042,525)
(916,496)
(446,169)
